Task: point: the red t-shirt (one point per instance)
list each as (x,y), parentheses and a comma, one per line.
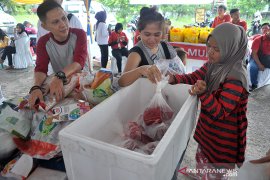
(265,44)
(113,40)
(241,23)
(218,20)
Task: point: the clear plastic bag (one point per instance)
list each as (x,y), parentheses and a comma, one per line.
(173,66)
(158,114)
(158,110)
(149,147)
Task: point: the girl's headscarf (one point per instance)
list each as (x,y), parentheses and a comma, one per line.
(22,27)
(232,43)
(100,17)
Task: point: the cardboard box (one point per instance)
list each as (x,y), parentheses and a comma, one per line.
(87,143)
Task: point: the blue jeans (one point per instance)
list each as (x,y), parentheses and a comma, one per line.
(254,71)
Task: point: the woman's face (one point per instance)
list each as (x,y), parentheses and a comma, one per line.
(18,29)
(213,50)
(151,35)
(119,31)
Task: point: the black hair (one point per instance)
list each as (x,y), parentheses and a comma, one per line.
(2,34)
(234,10)
(118,26)
(22,27)
(180,53)
(222,6)
(266,24)
(45,7)
(25,23)
(148,16)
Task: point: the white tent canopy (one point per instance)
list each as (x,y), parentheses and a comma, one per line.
(157,2)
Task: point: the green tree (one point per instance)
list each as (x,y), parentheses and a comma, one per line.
(123,10)
(248,7)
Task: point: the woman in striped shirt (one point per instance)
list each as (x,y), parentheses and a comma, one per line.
(222,87)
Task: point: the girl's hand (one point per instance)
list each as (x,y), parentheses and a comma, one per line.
(198,88)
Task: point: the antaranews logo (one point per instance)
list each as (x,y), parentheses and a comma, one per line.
(195,172)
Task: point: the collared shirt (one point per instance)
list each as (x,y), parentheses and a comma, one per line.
(218,20)
(265,44)
(241,23)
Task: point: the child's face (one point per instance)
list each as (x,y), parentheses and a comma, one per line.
(213,50)
(18,29)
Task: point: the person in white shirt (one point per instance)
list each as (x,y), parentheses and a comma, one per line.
(101,37)
(74,22)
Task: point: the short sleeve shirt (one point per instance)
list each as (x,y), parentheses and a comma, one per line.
(61,54)
(265,44)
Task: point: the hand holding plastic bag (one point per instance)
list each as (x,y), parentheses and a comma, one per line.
(158,110)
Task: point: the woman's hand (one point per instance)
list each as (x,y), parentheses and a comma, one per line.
(151,72)
(198,88)
(56,89)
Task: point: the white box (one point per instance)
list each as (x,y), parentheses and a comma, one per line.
(87,143)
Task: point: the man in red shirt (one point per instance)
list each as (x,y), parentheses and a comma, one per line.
(261,45)
(222,17)
(235,14)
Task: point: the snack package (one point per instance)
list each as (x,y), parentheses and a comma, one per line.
(100,88)
(14,122)
(18,168)
(70,112)
(44,142)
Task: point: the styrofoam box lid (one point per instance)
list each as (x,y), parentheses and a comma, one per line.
(99,127)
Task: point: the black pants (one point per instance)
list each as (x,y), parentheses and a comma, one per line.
(8,51)
(118,53)
(104,50)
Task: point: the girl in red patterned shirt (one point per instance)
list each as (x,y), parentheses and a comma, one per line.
(222,87)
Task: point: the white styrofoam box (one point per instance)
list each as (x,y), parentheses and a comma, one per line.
(87,143)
